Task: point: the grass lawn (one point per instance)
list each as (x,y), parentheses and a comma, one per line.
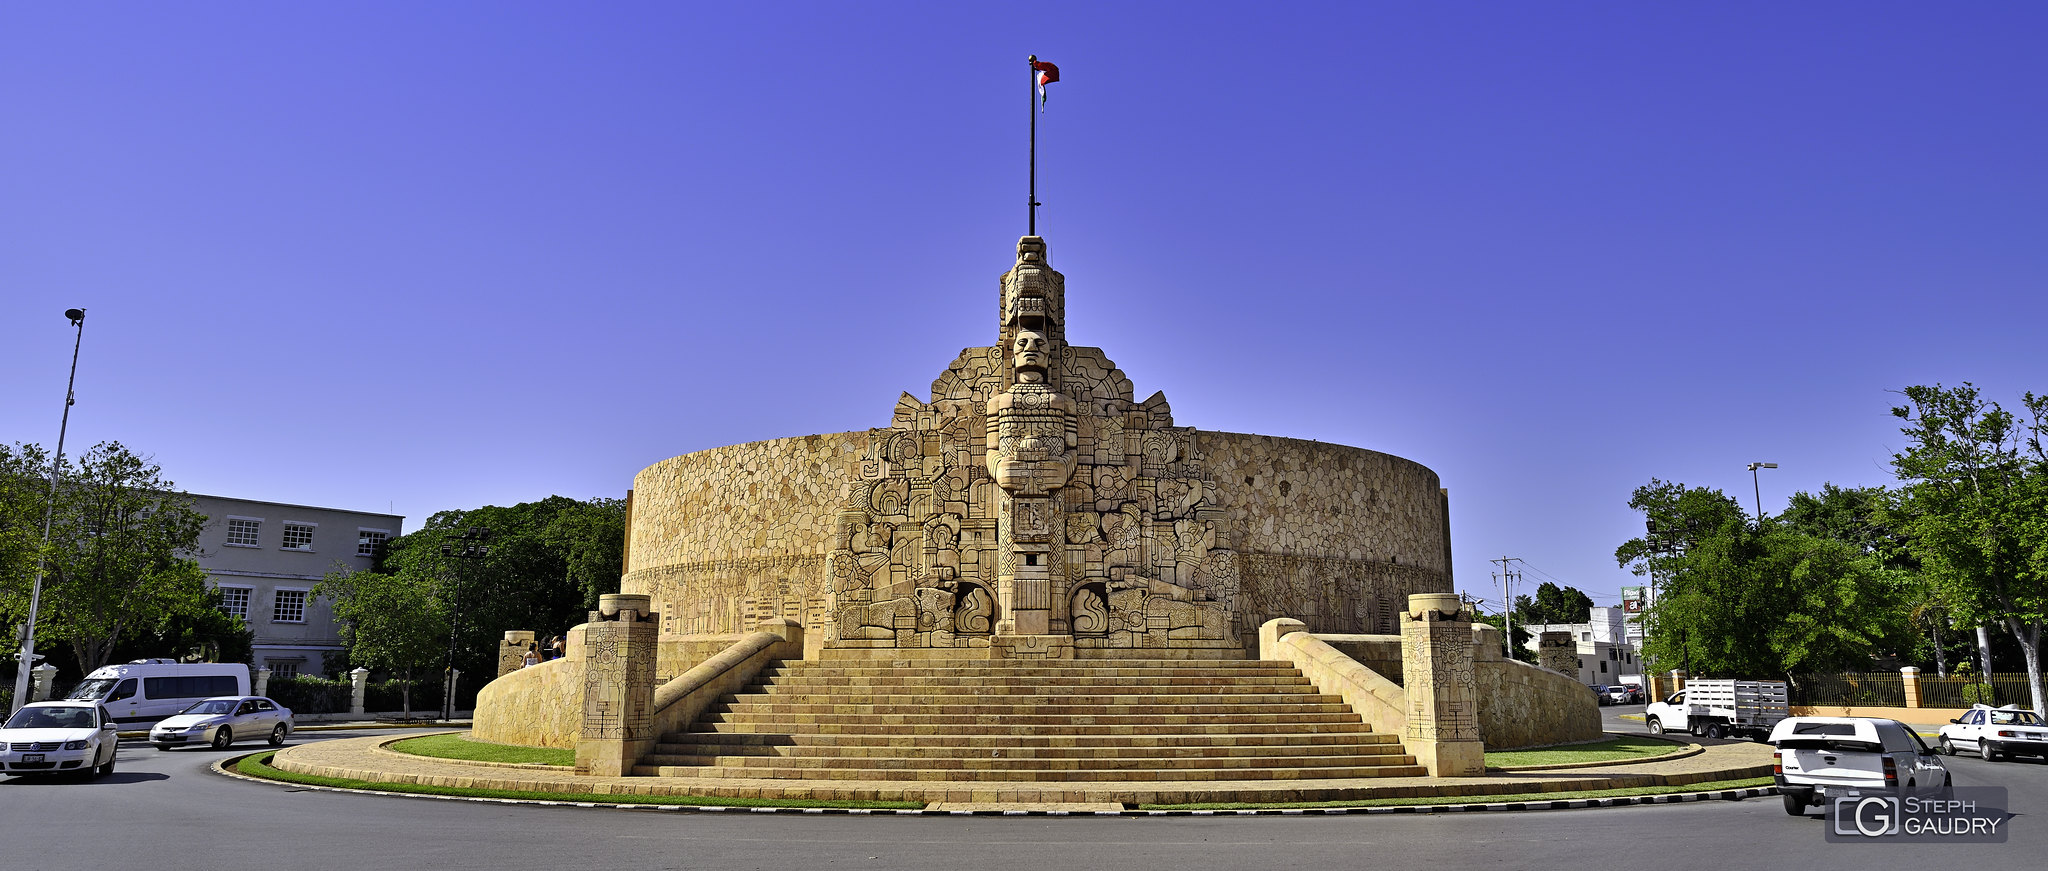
(258,766)
(1620,749)
(1470,799)
(458,746)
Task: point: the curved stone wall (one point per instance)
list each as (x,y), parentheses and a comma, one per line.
(1331,535)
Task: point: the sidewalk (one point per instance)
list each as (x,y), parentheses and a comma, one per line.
(369,759)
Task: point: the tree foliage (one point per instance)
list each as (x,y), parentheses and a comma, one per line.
(1975,503)
(1738,598)
(388,621)
(118,570)
(1554,604)
(549,561)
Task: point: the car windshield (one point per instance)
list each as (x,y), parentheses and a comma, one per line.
(92,688)
(51,718)
(212,706)
(2014,718)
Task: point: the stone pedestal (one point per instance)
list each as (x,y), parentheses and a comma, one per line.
(1031,647)
(512,651)
(41,678)
(1443,693)
(1910,676)
(359,683)
(619,653)
(263,681)
(1558,652)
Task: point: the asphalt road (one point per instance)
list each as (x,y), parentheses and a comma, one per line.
(164,810)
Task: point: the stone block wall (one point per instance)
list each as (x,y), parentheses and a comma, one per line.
(541,706)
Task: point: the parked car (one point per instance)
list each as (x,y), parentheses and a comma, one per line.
(1994,732)
(1619,694)
(1600,693)
(219,722)
(1822,758)
(58,738)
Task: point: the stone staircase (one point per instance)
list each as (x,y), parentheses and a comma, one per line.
(933,718)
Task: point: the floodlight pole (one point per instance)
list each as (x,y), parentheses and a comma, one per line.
(27,658)
(1754,485)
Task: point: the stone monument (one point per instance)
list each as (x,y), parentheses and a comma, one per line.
(1033,506)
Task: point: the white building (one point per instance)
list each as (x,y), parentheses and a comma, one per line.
(265,558)
(1607,653)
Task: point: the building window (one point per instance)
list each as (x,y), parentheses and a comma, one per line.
(1583,636)
(290,607)
(1603,667)
(235,601)
(283,669)
(369,541)
(243,531)
(298,536)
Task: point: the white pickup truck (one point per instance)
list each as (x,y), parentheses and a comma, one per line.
(1720,708)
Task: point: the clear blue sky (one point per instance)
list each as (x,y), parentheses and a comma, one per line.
(421,256)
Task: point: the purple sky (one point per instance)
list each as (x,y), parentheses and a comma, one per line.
(422,256)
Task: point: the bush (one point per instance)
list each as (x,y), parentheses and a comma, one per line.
(1979,694)
(310,695)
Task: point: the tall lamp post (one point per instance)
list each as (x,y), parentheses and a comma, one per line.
(467,546)
(27,657)
(1759,489)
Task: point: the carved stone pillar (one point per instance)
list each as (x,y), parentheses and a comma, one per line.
(618,685)
(512,651)
(1558,652)
(1443,695)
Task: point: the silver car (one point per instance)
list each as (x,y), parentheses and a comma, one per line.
(222,720)
(1822,758)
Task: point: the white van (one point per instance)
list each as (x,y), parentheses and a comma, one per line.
(148,690)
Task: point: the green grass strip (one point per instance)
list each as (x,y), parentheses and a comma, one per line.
(1467,799)
(455,745)
(258,766)
(1621,749)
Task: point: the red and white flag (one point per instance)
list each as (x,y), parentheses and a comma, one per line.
(1047,74)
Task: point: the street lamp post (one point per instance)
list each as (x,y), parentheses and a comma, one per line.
(27,657)
(466,546)
(1759,489)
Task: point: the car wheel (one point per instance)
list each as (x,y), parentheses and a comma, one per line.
(1985,752)
(277,736)
(1656,726)
(163,746)
(1795,804)
(1948,748)
(223,738)
(106,769)
(1715,731)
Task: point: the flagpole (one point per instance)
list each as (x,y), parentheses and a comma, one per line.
(1031,93)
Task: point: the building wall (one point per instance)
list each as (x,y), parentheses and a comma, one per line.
(270,571)
(1602,641)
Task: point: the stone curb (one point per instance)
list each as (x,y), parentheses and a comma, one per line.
(224,767)
(143,735)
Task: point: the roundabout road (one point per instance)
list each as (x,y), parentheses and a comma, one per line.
(167,810)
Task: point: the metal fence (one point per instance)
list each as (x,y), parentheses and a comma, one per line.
(1960,692)
(1876,689)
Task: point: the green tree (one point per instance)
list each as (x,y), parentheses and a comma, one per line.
(388,621)
(549,561)
(1976,493)
(1745,599)
(119,564)
(1554,604)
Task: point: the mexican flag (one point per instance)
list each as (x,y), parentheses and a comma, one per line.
(1047,74)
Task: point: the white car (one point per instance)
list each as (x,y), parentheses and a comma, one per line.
(1994,732)
(219,722)
(58,738)
(1821,758)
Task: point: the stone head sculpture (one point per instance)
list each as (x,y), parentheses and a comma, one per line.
(1030,354)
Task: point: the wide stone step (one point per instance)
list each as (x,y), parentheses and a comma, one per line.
(1009,763)
(1332,747)
(1049,708)
(1033,776)
(953,683)
(1025,725)
(813,697)
(902,744)
(1039,672)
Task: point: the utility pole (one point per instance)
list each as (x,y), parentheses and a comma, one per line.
(1508,576)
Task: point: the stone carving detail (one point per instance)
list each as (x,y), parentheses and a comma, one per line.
(1033,495)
